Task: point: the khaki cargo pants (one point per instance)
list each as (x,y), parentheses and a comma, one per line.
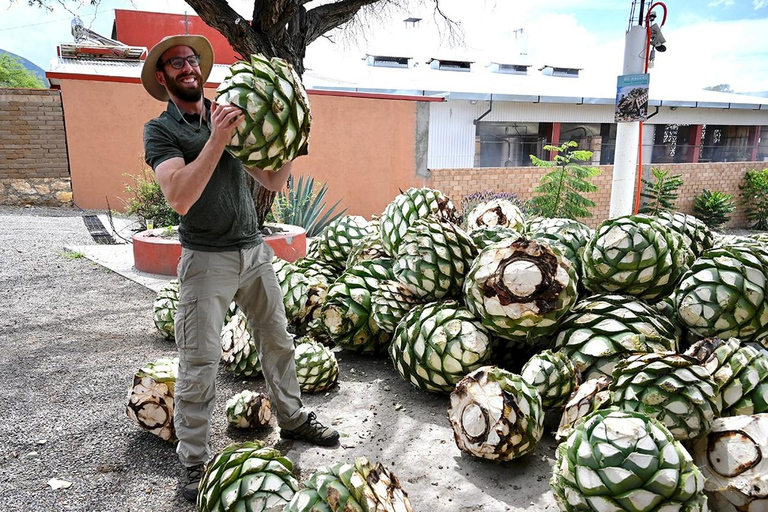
(208,283)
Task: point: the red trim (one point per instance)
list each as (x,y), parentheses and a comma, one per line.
(210,85)
(696,144)
(754,141)
(91,78)
(554,138)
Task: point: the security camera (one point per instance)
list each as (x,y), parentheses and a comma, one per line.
(657,38)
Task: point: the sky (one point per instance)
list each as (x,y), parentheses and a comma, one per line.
(709,42)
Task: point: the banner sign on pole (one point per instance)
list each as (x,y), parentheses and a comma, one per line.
(632,98)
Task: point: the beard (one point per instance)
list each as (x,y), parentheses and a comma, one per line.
(176,88)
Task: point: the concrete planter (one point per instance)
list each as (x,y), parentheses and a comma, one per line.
(155,253)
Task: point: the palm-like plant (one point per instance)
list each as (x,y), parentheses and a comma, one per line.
(561,189)
(302,205)
(661,194)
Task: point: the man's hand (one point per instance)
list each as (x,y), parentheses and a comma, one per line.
(224,122)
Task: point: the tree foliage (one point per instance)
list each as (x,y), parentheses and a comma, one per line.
(560,190)
(754,198)
(14,75)
(714,208)
(661,194)
(720,88)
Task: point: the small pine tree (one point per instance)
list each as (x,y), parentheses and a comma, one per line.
(662,194)
(560,190)
(714,208)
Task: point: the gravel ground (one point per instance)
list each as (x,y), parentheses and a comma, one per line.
(72,334)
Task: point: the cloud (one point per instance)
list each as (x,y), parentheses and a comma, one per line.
(724,3)
(759,4)
(716,52)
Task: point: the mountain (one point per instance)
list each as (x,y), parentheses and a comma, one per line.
(30,66)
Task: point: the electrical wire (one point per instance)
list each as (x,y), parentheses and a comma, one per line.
(638,185)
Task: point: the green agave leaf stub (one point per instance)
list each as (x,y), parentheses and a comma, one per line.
(276,121)
(624,461)
(248,477)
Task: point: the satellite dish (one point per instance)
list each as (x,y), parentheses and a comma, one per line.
(78,30)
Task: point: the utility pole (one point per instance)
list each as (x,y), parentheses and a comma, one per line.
(628,134)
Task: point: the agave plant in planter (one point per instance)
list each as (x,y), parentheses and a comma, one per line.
(302,204)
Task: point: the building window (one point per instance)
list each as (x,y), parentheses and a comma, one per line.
(500,144)
(450,65)
(586,135)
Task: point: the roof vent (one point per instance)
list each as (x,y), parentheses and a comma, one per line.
(510,69)
(450,65)
(559,71)
(386,61)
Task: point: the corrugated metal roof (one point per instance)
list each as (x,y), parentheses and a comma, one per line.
(479,84)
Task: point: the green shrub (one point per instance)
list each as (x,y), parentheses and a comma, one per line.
(302,205)
(661,194)
(560,190)
(754,197)
(146,201)
(714,208)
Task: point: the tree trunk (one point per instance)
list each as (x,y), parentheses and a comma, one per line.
(262,200)
(280,28)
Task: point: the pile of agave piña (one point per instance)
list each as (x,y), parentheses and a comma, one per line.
(645,337)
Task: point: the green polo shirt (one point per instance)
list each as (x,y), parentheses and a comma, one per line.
(223,218)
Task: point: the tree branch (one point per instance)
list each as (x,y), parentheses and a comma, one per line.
(244,39)
(326,17)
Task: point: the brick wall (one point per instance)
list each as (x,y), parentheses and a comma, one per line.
(456,183)
(722,176)
(34,168)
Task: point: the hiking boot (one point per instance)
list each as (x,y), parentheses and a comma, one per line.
(313,432)
(190,481)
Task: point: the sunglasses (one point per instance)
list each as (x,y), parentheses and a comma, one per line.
(178,62)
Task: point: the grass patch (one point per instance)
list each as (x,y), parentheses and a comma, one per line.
(71,255)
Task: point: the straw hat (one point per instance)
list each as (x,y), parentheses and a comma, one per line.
(199,44)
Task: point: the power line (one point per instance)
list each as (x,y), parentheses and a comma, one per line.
(44,22)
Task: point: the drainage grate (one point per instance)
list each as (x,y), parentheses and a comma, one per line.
(97,230)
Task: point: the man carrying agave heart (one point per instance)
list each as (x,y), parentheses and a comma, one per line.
(223,254)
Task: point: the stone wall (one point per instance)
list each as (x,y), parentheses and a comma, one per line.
(34,168)
(722,176)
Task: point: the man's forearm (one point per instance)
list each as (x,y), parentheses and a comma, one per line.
(186,184)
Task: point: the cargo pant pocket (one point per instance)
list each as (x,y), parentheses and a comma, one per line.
(186,324)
